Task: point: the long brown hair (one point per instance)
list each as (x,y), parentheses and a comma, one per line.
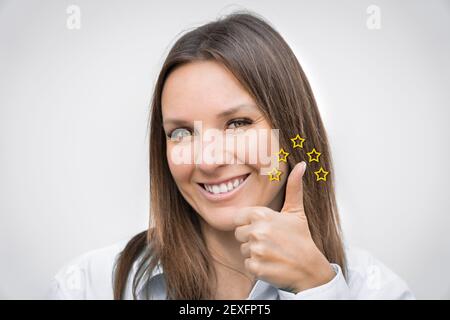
(267,68)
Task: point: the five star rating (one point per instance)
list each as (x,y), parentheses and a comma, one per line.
(297,142)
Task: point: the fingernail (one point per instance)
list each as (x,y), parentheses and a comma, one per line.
(304,166)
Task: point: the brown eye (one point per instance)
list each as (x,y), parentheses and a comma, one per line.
(237,123)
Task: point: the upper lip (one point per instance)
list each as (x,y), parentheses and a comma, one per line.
(225,180)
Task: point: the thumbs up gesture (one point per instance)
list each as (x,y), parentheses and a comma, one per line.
(278,246)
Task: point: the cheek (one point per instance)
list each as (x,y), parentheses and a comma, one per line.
(257,148)
(272,192)
(270,189)
(268,148)
(181,173)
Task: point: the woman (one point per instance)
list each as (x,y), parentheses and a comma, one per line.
(222,229)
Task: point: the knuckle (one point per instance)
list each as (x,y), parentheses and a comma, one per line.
(258,249)
(254,266)
(262,231)
(258,234)
(266,214)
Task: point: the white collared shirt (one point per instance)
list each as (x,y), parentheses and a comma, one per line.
(90,277)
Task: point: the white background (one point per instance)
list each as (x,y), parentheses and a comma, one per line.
(74,108)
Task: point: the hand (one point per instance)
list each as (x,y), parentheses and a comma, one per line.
(278,246)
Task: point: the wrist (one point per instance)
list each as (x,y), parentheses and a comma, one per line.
(321,273)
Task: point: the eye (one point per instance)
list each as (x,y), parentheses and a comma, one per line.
(238,123)
(178,134)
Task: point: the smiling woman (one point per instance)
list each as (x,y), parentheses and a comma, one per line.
(223,230)
(214,189)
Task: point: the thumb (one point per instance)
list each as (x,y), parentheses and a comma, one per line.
(293,202)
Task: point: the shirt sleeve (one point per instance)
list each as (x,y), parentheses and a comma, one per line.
(366,278)
(336,289)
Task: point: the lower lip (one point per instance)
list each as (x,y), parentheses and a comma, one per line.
(222,196)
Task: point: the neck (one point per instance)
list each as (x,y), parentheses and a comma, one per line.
(226,251)
(224,247)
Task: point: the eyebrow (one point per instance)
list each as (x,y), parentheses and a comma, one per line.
(223,114)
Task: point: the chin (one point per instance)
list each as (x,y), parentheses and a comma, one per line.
(221,220)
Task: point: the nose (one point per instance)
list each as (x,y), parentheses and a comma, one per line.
(211,153)
(209,169)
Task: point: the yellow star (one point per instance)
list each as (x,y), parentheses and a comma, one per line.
(297,144)
(313,152)
(282,155)
(275,174)
(324,178)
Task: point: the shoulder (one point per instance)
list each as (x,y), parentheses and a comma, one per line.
(369,278)
(88,276)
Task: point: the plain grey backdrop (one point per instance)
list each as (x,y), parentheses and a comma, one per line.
(74,108)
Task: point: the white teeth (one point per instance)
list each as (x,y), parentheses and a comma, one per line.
(223,188)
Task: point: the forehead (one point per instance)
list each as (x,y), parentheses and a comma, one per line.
(201,86)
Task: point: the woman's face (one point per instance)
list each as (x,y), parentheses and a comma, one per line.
(220,174)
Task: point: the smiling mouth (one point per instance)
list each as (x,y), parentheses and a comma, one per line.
(226,186)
